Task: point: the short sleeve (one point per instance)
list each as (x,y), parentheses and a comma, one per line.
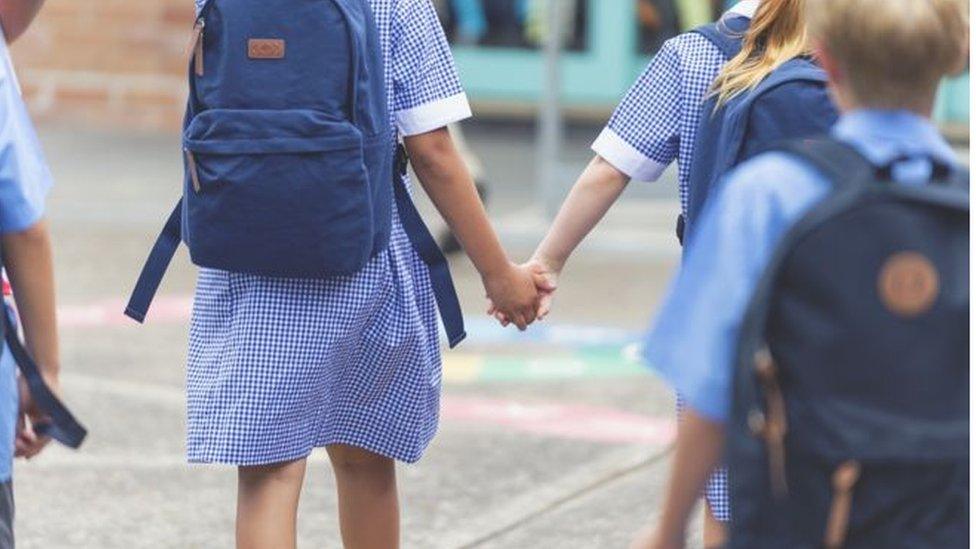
(24,175)
(427,92)
(692,344)
(642,138)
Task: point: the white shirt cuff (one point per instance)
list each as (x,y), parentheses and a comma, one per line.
(434,115)
(623,156)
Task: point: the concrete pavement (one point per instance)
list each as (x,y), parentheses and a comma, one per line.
(552,438)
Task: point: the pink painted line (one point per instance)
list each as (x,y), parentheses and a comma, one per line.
(165,309)
(587,423)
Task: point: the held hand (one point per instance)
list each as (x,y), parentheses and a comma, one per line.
(514,296)
(545,280)
(28,442)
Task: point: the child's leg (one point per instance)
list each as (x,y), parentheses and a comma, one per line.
(369,513)
(715,534)
(267,505)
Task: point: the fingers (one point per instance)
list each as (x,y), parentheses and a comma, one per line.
(545,307)
(35,447)
(544,282)
(27,441)
(520,320)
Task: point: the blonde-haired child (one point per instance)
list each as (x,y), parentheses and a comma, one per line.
(885,59)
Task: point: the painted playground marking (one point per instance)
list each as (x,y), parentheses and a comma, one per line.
(575,422)
(553,352)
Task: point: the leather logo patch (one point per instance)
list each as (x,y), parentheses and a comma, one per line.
(909,284)
(265,48)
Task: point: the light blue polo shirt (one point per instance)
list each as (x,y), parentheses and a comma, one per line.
(24,183)
(693,341)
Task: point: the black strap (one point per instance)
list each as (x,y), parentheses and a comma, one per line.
(155,267)
(838,161)
(63,426)
(425,245)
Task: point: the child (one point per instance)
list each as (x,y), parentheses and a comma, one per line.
(656,124)
(885,59)
(26,245)
(278,367)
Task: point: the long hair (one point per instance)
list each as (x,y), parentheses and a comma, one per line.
(777,34)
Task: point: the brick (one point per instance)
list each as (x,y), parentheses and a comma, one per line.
(107,62)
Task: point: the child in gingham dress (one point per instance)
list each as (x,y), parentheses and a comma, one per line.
(280,367)
(656,124)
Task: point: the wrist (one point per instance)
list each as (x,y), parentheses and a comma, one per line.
(551,264)
(496,271)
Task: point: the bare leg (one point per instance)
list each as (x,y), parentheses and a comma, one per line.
(267,505)
(715,533)
(369,513)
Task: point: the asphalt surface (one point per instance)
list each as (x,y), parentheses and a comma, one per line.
(553,438)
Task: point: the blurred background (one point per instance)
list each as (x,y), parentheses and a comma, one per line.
(557,436)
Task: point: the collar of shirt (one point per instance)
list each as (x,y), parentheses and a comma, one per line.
(884,135)
(746,8)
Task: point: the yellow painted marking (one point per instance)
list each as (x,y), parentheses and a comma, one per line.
(462,367)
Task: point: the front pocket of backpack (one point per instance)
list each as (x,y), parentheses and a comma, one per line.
(277,193)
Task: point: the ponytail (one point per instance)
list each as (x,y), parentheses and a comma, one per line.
(777,34)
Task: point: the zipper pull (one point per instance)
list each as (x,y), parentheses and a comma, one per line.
(773,422)
(198,28)
(838,522)
(191,166)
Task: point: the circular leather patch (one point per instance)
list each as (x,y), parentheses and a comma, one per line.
(909,284)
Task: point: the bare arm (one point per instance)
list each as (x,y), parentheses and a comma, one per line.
(447,181)
(17,15)
(30,266)
(697,453)
(597,189)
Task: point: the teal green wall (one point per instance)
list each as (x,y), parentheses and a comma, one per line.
(599,76)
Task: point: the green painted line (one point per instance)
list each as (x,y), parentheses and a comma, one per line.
(584,363)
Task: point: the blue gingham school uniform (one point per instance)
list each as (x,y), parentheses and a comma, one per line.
(656,124)
(278,367)
(657,121)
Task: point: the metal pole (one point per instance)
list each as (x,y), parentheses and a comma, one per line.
(550,131)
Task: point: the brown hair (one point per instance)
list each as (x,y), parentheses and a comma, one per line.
(777,34)
(893,53)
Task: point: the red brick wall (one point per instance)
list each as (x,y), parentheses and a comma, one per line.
(107,63)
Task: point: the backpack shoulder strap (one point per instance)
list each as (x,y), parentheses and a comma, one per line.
(725,38)
(62,425)
(426,247)
(156,265)
(837,161)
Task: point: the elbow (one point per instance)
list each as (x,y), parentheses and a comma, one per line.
(430,150)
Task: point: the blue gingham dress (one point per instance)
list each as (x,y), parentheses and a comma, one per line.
(656,124)
(279,367)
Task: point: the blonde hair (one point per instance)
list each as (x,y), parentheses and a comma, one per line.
(893,53)
(777,34)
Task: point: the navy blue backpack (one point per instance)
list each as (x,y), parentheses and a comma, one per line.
(291,167)
(791,103)
(850,412)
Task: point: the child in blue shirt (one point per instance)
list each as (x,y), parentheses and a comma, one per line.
(25,241)
(885,68)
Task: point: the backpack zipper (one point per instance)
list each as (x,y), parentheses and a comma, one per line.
(198,29)
(772,426)
(838,522)
(191,166)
